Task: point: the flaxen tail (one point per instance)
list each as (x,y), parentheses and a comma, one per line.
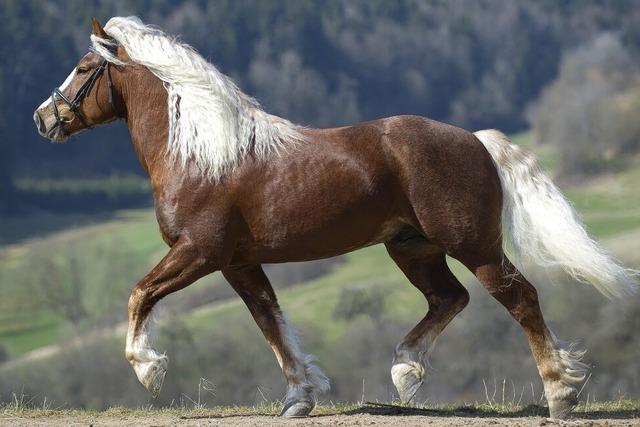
(543,227)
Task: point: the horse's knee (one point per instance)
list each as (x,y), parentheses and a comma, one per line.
(455,294)
(461,298)
(139,295)
(453,298)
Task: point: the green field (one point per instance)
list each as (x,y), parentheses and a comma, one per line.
(130,239)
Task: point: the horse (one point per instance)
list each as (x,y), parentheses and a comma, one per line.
(235,187)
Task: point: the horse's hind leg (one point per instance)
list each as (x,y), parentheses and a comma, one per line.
(560,368)
(426,268)
(304,379)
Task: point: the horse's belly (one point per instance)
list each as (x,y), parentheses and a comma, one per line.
(335,239)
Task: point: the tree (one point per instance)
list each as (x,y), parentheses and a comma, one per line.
(589,111)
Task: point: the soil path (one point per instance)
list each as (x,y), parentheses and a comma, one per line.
(327,420)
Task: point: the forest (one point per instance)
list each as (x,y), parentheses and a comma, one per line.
(475,64)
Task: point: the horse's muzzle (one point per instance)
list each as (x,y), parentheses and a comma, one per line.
(55,133)
(42,129)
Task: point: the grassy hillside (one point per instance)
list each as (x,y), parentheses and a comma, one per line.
(113,253)
(116,252)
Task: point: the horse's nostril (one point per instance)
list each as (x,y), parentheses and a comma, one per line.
(39,122)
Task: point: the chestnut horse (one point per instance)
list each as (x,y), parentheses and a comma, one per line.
(235,187)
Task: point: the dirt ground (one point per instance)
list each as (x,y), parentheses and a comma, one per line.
(321,420)
(610,414)
(367,414)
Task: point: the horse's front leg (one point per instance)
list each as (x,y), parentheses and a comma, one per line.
(183,265)
(304,379)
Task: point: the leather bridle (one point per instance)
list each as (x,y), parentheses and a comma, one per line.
(82,93)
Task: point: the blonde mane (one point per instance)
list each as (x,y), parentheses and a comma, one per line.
(211,122)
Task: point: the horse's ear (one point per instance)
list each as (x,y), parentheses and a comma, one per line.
(97,28)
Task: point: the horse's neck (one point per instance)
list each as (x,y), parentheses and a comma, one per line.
(147,119)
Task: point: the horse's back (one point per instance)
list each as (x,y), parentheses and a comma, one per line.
(357,185)
(445,173)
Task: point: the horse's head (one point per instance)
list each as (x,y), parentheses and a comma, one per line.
(84,100)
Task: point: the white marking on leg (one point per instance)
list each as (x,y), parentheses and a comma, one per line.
(561,375)
(278,355)
(408,370)
(63,87)
(407,377)
(313,381)
(149,365)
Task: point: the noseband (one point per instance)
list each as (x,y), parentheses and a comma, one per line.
(82,93)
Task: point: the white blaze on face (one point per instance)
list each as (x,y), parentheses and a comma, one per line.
(63,87)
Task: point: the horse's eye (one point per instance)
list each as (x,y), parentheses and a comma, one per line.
(82,70)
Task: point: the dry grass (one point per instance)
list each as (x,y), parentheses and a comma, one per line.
(621,409)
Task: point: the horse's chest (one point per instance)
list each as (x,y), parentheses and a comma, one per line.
(168,217)
(168,227)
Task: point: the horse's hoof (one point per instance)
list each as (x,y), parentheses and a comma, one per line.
(297,409)
(407,377)
(154,376)
(561,409)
